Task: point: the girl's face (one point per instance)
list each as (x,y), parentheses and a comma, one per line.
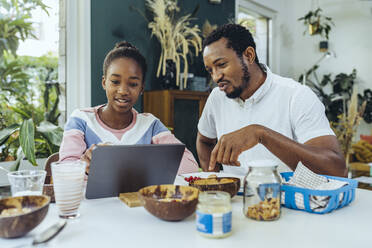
(123,84)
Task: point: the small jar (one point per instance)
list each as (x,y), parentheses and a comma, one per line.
(213,214)
(262,191)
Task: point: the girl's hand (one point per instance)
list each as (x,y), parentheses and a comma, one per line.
(87,156)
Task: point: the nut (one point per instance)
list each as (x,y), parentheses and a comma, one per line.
(269,209)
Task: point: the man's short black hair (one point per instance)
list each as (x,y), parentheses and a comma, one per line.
(238,38)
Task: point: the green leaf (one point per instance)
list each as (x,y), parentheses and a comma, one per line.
(21,112)
(17,163)
(26,138)
(51,132)
(6,132)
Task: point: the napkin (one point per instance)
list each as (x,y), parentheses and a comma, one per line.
(305,178)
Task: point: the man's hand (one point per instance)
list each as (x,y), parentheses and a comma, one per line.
(231,145)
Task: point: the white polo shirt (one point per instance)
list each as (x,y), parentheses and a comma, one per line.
(280,104)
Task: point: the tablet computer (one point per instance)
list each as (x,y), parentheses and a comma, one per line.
(127,168)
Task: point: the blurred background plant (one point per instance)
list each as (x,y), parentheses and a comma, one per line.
(317,23)
(175,34)
(344,107)
(30,91)
(15,22)
(335,99)
(207,28)
(346,125)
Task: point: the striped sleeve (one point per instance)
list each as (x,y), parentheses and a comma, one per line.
(158,127)
(73,142)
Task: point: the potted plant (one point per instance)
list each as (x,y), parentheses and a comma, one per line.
(29,92)
(29,127)
(346,126)
(317,24)
(175,35)
(367,97)
(341,90)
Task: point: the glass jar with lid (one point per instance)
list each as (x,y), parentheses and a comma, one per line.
(213,214)
(262,191)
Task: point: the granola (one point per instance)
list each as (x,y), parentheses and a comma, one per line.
(269,209)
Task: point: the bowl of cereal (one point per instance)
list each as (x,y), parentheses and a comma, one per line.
(169,202)
(230,185)
(19,215)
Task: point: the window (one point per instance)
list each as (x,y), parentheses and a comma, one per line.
(45,32)
(76,42)
(258,20)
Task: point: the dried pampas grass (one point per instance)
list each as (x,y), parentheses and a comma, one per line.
(348,123)
(175,36)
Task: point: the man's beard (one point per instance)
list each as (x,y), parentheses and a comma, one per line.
(245,80)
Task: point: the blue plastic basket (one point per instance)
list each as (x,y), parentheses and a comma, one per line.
(334,203)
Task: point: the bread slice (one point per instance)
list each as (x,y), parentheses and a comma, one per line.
(131,199)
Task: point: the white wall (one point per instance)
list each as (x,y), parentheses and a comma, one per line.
(283,37)
(350,39)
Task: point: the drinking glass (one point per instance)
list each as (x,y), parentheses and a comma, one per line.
(26,182)
(68,184)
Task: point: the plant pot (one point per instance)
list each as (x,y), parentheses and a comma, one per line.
(49,191)
(168,81)
(314,28)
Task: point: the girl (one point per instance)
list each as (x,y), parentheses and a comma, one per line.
(117,122)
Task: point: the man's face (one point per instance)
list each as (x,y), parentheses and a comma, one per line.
(227,69)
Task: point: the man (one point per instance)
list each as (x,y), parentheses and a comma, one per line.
(255,114)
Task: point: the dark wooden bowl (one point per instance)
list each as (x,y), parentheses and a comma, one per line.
(19,224)
(230,185)
(169,202)
(49,191)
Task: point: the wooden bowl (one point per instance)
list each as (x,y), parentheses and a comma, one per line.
(230,185)
(49,191)
(19,215)
(169,202)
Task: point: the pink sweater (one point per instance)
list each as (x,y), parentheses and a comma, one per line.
(85,128)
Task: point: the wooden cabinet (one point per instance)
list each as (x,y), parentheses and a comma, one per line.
(179,110)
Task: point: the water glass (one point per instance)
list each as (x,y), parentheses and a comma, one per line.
(26,182)
(68,184)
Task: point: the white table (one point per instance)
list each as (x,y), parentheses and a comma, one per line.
(110,223)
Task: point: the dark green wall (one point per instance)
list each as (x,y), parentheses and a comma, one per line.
(114,20)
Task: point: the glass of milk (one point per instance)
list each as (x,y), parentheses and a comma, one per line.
(68,184)
(26,182)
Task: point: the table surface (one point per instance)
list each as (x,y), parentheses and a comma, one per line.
(110,222)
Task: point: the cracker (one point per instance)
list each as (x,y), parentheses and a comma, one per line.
(131,199)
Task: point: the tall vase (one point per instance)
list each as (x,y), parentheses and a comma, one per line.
(168,81)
